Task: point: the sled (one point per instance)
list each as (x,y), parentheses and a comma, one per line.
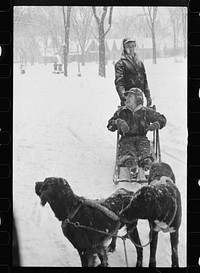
(123,174)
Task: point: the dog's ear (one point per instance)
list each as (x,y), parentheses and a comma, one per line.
(63,181)
(38,186)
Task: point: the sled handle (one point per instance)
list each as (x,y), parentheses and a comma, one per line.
(116,169)
(158,146)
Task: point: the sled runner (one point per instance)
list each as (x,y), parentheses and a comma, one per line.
(124,174)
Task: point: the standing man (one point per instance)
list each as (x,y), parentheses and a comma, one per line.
(130,72)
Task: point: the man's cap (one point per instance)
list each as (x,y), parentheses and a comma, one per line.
(127,40)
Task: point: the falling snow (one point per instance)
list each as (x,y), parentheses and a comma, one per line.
(60,130)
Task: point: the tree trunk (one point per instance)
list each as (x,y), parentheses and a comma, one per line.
(184,46)
(102,34)
(102,67)
(65,60)
(174,38)
(151,18)
(45,56)
(154,45)
(184,18)
(82,57)
(66,46)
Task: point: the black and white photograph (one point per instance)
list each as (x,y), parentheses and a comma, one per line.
(100,136)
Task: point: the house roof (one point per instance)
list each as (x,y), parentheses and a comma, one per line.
(111,44)
(141,43)
(90,42)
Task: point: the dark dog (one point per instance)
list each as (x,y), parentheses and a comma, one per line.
(82,217)
(160,203)
(158,170)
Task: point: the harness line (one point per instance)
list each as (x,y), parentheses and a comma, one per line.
(141,246)
(127,235)
(77,224)
(125,253)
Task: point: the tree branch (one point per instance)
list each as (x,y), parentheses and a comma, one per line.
(155,9)
(150,16)
(147,15)
(63,10)
(110,15)
(104,14)
(109,20)
(94,33)
(95,15)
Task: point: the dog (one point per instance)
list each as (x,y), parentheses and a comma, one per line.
(157,170)
(160,203)
(82,218)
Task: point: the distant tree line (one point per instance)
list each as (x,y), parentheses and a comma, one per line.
(55,26)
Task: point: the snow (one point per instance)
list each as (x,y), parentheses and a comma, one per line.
(60,129)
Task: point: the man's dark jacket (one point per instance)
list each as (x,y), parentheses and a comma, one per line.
(130,72)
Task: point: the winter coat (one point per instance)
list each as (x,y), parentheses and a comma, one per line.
(130,72)
(137,121)
(57,59)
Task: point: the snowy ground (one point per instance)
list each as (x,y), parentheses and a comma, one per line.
(60,130)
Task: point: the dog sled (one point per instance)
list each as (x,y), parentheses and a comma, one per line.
(124,174)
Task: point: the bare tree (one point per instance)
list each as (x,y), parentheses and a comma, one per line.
(66,44)
(175,17)
(24,31)
(124,24)
(19,14)
(81,21)
(151,13)
(102,33)
(55,28)
(30,32)
(127,25)
(50,34)
(38,30)
(184,28)
(141,28)
(41,18)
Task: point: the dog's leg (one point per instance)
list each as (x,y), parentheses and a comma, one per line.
(112,246)
(138,249)
(84,261)
(87,258)
(103,257)
(174,248)
(134,235)
(153,246)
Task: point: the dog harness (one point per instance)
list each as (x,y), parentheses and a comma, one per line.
(93,204)
(96,205)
